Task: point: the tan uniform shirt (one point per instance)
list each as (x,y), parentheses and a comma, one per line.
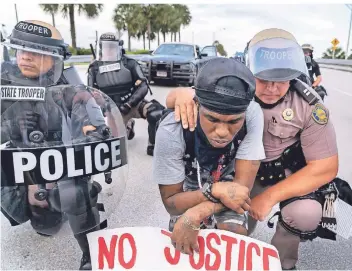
(310,123)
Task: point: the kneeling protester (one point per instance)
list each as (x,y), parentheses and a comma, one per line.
(205,176)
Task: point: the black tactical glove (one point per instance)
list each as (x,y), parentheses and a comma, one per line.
(25,120)
(125,108)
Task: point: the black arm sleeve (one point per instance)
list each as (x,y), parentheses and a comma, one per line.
(136,70)
(316,69)
(142,89)
(139,94)
(91,77)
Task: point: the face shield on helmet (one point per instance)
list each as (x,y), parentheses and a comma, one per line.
(276,59)
(65,155)
(29,64)
(110,50)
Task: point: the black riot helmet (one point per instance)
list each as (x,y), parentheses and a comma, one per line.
(37,52)
(110,47)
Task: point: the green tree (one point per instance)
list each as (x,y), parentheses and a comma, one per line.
(124,19)
(183,16)
(339,53)
(51,9)
(68,10)
(220,48)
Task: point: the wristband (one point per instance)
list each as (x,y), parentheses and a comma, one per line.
(206,190)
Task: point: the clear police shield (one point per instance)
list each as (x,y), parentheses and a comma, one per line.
(63,157)
(110,50)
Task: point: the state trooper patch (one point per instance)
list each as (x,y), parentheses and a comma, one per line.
(320,114)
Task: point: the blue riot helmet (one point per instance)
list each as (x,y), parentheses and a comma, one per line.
(274,55)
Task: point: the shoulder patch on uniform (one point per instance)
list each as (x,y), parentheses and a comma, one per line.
(320,114)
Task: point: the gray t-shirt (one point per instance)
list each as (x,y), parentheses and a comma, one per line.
(170,146)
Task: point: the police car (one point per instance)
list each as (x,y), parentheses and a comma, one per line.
(174,62)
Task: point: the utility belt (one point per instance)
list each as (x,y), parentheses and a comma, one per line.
(272,172)
(121,98)
(118,90)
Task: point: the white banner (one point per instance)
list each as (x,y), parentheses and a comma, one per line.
(149,248)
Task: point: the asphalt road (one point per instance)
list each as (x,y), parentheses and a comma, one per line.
(23,249)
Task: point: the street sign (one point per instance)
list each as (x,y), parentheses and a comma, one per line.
(335,42)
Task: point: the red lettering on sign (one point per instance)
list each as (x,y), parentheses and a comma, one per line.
(250,256)
(199,265)
(266,253)
(168,234)
(217,262)
(167,252)
(241,255)
(132,243)
(230,241)
(104,252)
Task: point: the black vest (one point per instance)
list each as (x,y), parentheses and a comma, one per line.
(112,78)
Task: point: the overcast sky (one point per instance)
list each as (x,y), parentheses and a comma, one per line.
(233,24)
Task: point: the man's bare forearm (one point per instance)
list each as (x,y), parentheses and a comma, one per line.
(305,181)
(181,202)
(246,172)
(204,209)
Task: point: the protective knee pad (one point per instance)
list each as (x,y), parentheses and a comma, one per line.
(154,112)
(74,197)
(304,235)
(46,221)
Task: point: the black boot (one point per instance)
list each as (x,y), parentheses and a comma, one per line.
(130,129)
(150,150)
(83,243)
(85,262)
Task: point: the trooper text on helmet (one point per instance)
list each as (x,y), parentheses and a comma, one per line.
(39,51)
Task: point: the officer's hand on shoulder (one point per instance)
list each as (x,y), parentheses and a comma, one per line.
(186,109)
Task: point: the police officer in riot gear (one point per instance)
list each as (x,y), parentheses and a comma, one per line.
(122,79)
(39,114)
(314,70)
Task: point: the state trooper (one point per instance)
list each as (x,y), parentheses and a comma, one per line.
(47,177)
(122,79)
(301,164)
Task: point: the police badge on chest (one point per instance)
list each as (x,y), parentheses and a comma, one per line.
(110,68)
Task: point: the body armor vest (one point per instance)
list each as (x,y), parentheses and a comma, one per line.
(113,77)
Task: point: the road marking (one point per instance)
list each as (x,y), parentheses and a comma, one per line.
(346,93)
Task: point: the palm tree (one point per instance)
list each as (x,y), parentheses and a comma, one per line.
(163,20)
(124,19)
(50,9)
(90,10)
(339,53)
(184,17)
(157,20)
